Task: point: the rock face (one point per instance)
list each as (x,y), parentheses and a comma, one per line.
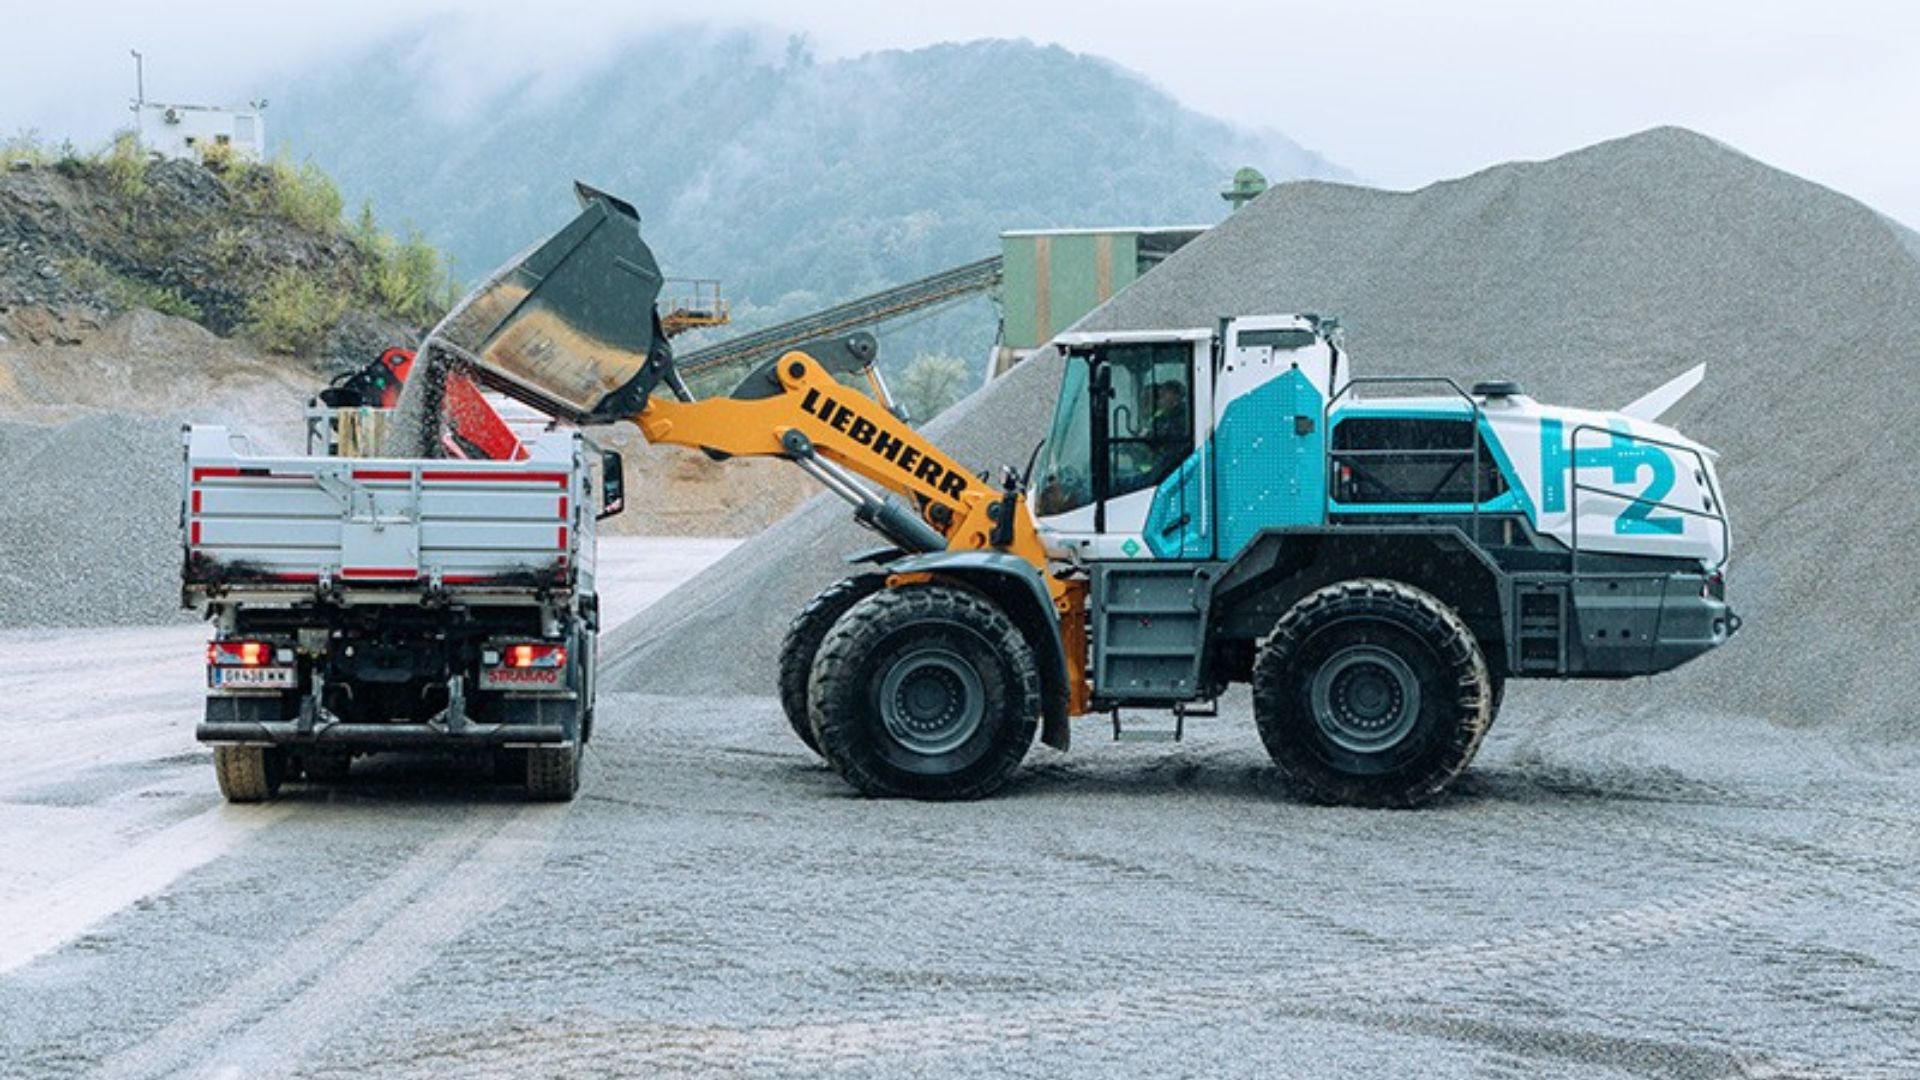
(1590,278)
(79,246)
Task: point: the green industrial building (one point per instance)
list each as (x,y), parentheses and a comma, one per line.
(1052,277)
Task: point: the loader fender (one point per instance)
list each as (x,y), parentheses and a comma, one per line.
(1021,592)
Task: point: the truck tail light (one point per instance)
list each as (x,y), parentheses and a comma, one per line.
(524,667)
(530,655)
(239,654)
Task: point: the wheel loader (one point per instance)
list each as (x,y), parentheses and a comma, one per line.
(1212,505)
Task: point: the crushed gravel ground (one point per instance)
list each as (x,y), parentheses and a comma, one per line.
(1591,278)
(1700,876)
(91,530)
(1612,899)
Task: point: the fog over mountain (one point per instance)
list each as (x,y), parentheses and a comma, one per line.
(798,182)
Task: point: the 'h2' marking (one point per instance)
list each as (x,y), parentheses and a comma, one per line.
(1626,457)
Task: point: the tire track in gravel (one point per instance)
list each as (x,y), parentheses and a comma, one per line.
(1754,878)
(267,1020)
(38,923)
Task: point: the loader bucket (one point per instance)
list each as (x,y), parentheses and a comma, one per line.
(569,325)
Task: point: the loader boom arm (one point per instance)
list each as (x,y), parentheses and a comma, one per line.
(831,429)
(815,416)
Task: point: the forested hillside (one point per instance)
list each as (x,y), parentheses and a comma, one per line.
(797,181)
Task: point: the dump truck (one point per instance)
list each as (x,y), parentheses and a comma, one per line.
(367,603)
(1217,505)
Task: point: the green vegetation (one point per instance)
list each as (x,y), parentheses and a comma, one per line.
(294,312)
(121,161)
(273,259)
(406,276)
(125,165)
(403,277)
(932,383)
(219,158)
(123,292)
(26,145)
(300,194)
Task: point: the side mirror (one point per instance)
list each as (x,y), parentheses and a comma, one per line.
(613,484)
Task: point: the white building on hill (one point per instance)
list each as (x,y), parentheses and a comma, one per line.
(188,131)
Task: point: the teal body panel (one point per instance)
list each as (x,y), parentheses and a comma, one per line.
(1273,477)
(1179,525)
(1269,475)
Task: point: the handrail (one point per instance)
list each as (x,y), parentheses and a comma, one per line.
(1472,452)
(1706,479)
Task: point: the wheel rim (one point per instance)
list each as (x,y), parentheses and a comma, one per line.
(931,701)
(1365,699)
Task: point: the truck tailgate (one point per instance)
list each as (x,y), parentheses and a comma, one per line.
(279,521)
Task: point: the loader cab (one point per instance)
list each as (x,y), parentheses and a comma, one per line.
(1134,408)
(1182,444)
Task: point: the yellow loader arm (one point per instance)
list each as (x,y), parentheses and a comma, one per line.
(831,429)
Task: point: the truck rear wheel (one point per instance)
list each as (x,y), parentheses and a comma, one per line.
(802,644)
(553,772)
(1371,693)
(928,692)
(249,773)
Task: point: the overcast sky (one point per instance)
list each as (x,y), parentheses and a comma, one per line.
(1400,92)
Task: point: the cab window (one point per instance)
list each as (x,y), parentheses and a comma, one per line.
(1065,478)
(1149,415)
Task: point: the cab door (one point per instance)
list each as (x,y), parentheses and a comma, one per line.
(1123,471)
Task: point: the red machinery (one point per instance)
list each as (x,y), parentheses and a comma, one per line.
(475,429)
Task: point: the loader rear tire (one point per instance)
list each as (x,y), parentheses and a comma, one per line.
(926,692)
(802,644)
(553,773)
(1371,693)
(249,774)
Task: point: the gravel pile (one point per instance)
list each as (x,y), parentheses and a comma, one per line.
(91,531)
(90,462)
(1591,278)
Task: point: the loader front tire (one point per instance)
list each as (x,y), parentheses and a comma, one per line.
(1371,693)
(802,644)
(926,692)
(249,774)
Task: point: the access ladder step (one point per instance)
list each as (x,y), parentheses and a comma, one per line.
(1123,733)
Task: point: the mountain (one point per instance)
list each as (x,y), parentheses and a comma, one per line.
(796,181)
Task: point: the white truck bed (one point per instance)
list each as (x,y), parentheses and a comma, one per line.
(382,526)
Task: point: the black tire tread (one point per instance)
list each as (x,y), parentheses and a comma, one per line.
(553,773)
(802,644)
(247,774)
(1414,609)
(837,675)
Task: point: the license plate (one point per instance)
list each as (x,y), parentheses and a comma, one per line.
(258,678)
